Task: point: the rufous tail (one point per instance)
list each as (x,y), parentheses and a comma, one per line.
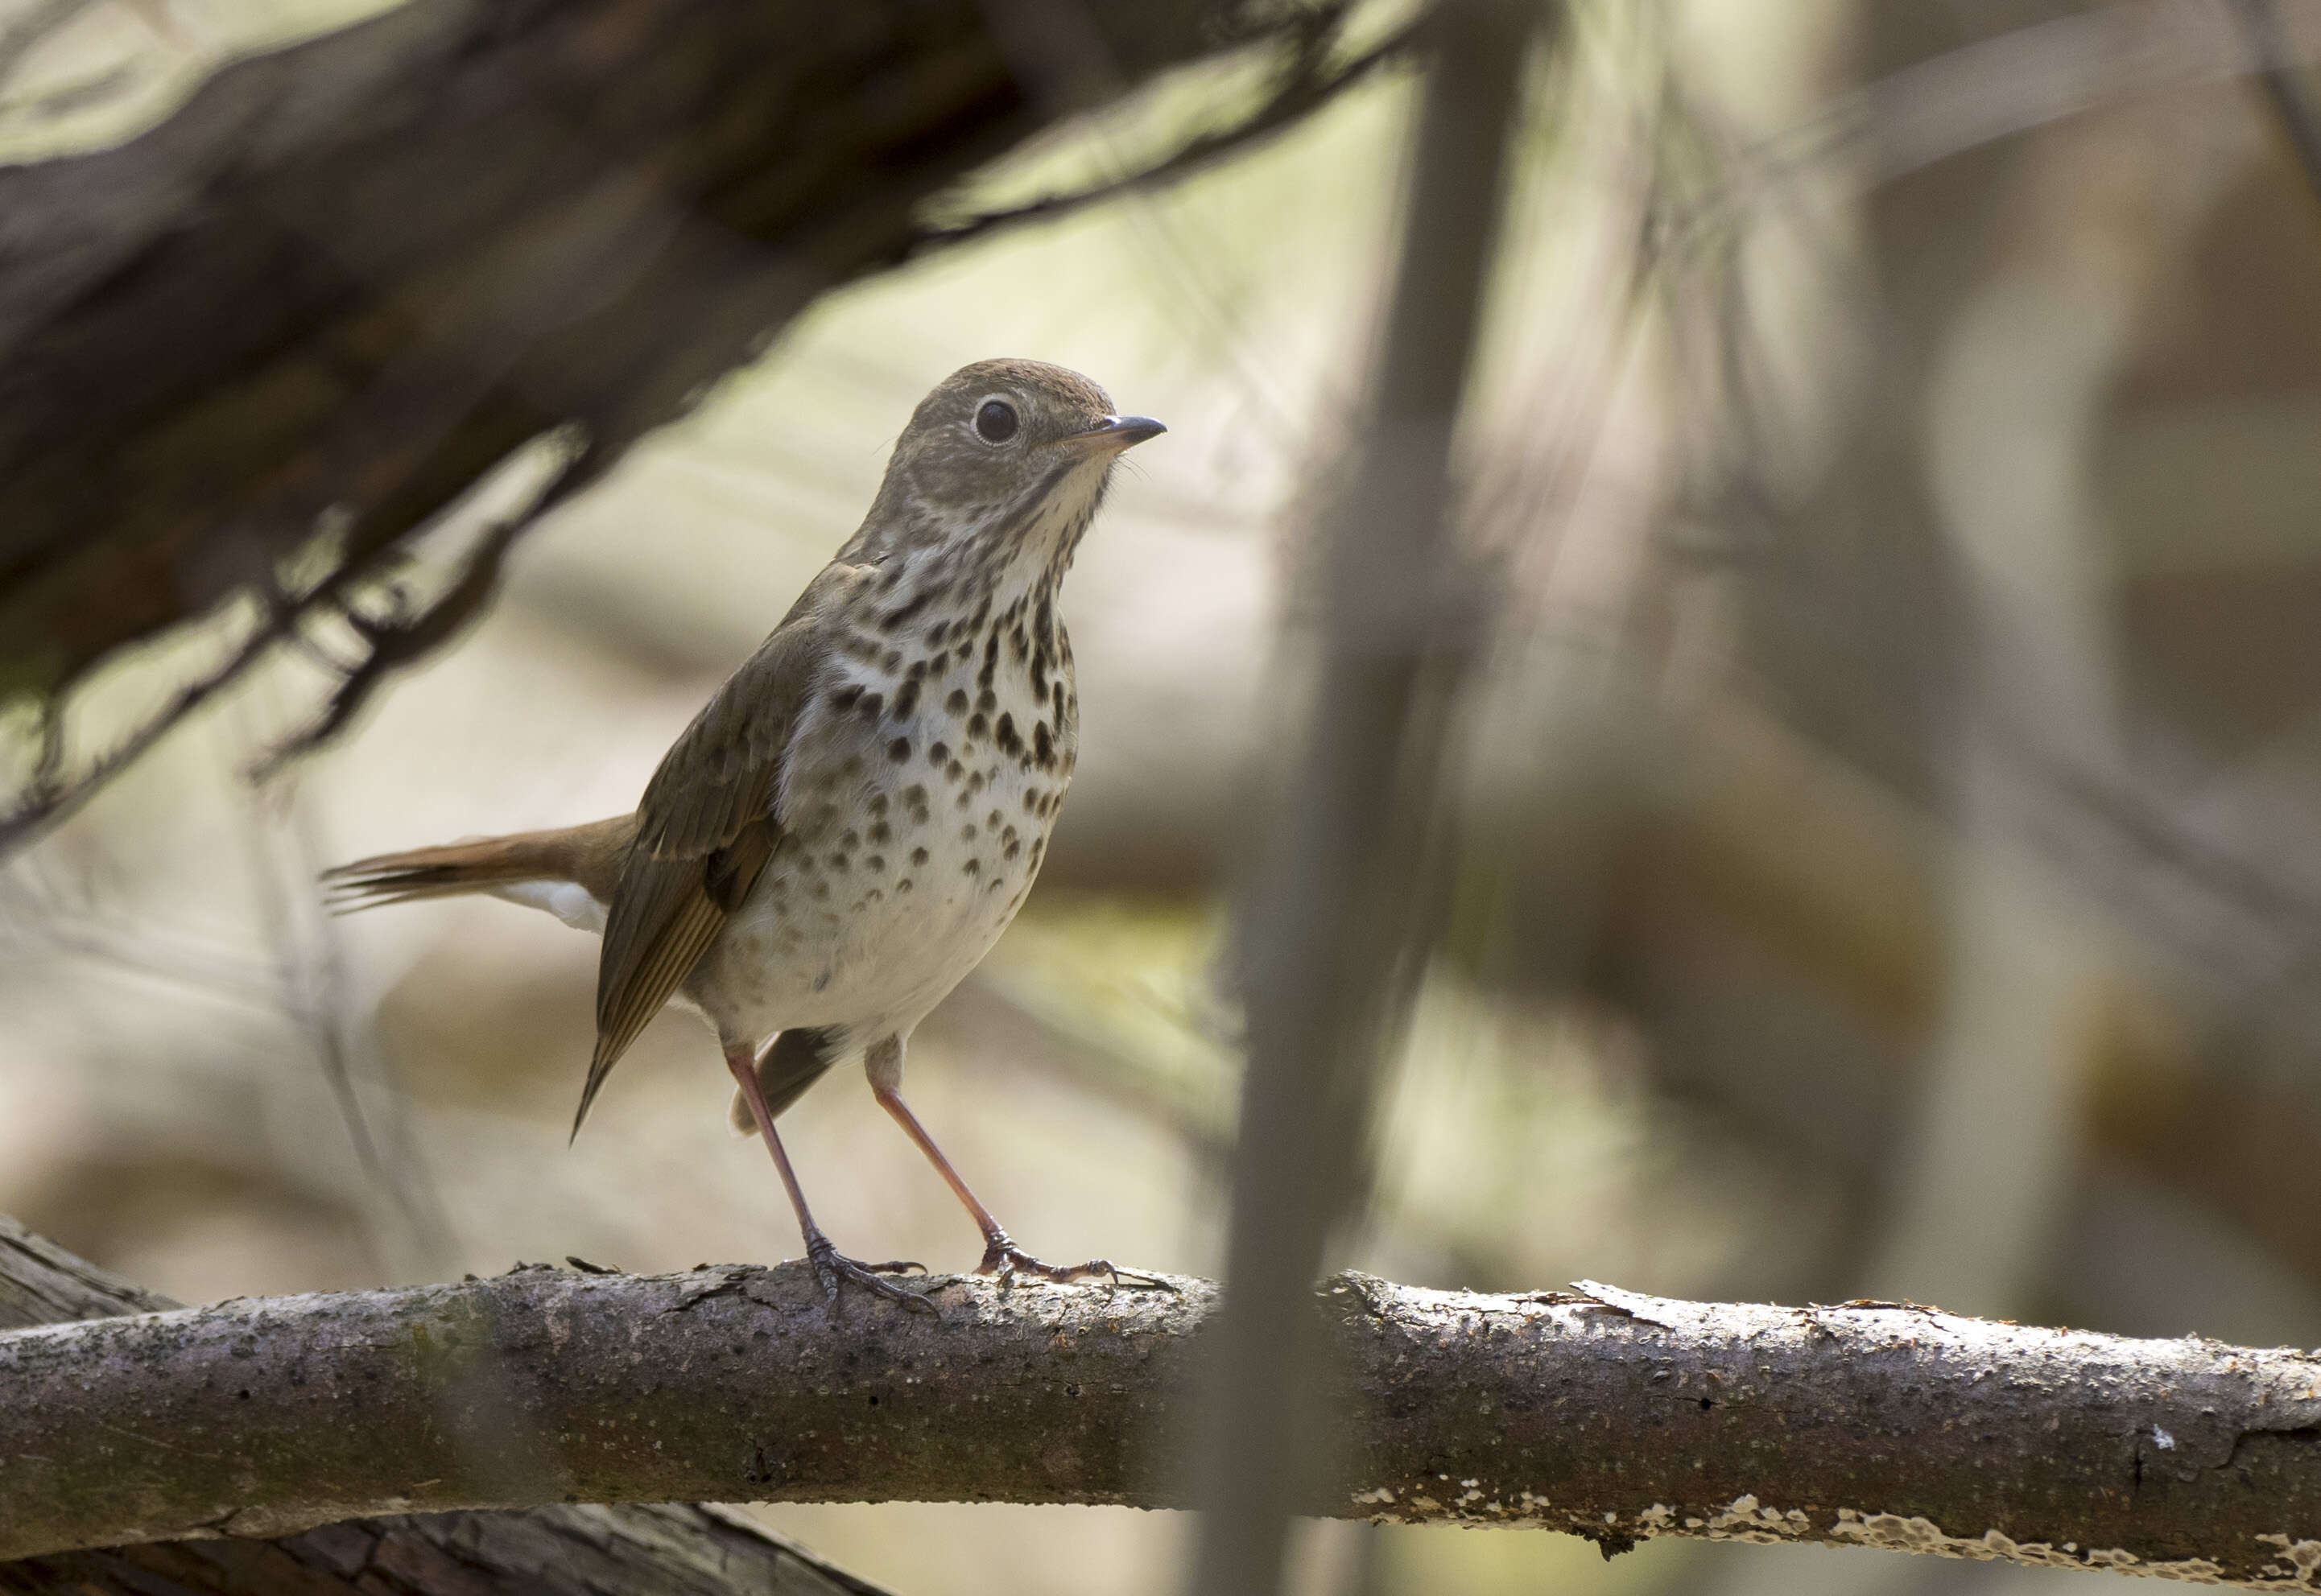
(589,855)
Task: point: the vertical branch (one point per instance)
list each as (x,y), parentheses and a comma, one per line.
(1335,928)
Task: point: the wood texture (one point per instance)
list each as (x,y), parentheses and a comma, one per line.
(1597,1412)
(684,1551)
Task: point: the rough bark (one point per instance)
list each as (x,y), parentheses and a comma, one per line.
(690,1551)
(351,277)
(1605,1414)
(41,1283)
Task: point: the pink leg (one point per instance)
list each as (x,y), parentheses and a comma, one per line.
(830,1265)
(1001,1256)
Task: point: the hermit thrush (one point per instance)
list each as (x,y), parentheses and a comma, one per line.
(849,823)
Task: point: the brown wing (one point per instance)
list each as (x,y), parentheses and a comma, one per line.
(705,828)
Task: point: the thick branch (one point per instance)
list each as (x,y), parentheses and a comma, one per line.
(1607,1415)
(651,1550)
(351,278)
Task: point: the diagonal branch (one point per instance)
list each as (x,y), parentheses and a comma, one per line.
(1602,1413)
(1309,81)
(351,278)
(2284,88)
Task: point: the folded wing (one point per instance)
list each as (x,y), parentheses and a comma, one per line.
(705,828)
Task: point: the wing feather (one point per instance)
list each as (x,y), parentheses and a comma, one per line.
(705,828)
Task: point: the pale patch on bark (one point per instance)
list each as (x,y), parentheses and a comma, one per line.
(1895,1533)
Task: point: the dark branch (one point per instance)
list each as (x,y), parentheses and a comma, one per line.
(351,278)
(1605,1414)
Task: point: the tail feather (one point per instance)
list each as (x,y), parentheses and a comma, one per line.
(589,855)
(417,872)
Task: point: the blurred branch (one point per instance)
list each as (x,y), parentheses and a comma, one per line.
(299,322)
(2284,91)
(1774,842)
(1994,88)
(1310,81)
(394,640)
(1603,1413)
(1347,892)
(26,33)
(549,1550)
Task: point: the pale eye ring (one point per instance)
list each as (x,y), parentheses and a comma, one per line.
(996,421)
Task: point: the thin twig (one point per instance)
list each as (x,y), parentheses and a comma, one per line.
(1303,90)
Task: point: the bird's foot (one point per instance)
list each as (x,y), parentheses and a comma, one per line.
(1004,1259)
(832,1266)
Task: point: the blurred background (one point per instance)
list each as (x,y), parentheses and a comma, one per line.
(1887,799)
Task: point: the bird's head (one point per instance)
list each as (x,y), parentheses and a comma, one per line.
(1012,453)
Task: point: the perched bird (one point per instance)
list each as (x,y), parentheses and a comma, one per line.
(848,824)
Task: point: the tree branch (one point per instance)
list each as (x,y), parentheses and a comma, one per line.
(2283,90)
(649,1550)
(1351,884)
(41,1284)
(305,315)
(1605,1414)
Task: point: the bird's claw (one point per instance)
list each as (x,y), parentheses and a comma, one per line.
(832,1266)
(1004,1258)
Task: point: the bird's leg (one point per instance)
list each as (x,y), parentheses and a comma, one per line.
(830,1265)
(884,1064)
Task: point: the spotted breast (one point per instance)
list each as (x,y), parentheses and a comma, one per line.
(922,786)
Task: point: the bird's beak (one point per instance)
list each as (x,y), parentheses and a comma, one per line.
(1117,432)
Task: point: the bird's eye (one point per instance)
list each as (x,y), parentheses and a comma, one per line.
(994,421)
